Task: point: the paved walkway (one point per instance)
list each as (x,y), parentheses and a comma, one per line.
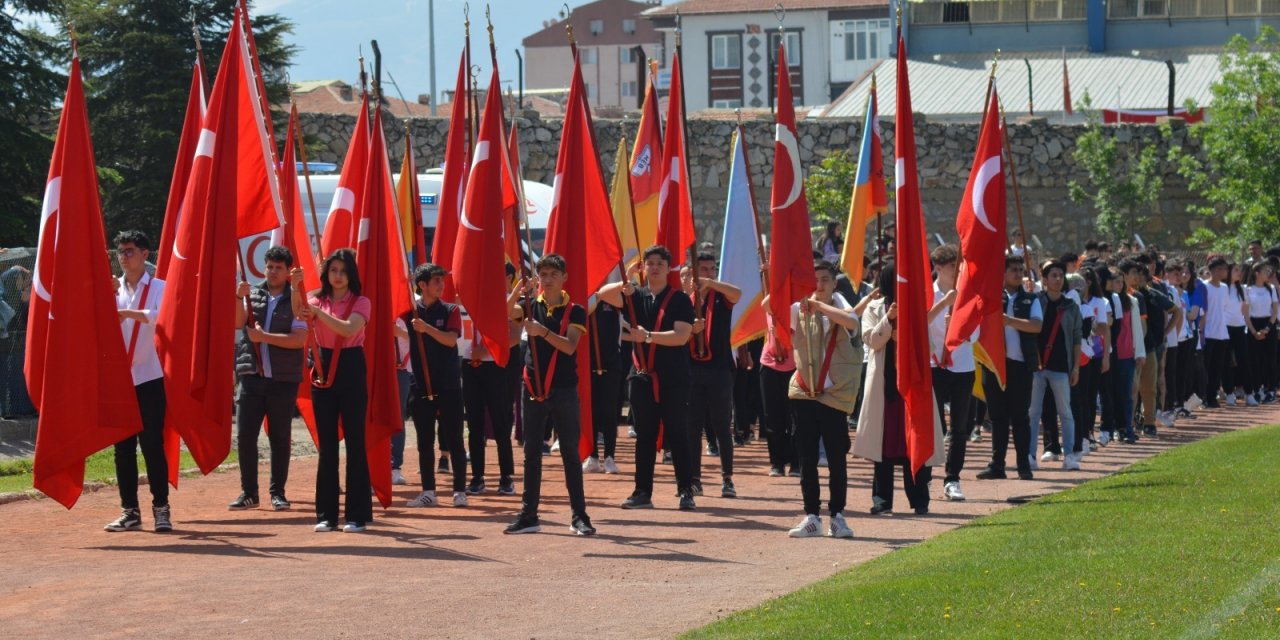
(450,573)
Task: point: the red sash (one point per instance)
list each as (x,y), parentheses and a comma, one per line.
(705,356)
(653,347)
(327,381)
(551,366)
(826,366)
(137,326)
(1053,334)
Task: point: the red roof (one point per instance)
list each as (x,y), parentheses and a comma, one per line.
(339,98)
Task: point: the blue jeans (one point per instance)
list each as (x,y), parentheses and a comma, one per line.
(1122,376)
(1060,383)
(404,378)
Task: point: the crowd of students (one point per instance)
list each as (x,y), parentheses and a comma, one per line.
(1099,349)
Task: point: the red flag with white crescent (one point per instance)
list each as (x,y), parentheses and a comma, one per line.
(344,212)
(181,169)
(675,206)
(453,185)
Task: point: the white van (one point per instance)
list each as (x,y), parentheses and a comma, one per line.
(538,198)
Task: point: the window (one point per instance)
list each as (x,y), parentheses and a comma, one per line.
(597,27)
(792,48)
(726,104)
(591,90)
(864,40)
(628,26)
(626,55)
(630,89)
(726,51)
(588,56)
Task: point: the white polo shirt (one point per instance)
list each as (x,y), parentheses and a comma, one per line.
(146,362)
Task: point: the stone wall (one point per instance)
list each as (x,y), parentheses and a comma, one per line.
(1042,154)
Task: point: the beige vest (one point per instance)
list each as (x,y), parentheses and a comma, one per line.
(809,349)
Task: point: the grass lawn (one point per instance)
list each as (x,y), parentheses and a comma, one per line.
(1183,545)
(15,475)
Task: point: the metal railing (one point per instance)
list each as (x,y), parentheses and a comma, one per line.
(935,12)
(1174,9)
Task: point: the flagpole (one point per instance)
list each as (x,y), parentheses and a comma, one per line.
(986,100)
(470,81)
(306,174)
(635,229)
(1013,175)
(413,306)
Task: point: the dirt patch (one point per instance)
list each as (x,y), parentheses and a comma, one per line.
(451,573)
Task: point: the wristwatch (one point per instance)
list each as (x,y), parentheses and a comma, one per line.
(648,337)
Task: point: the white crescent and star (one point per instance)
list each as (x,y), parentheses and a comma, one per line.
(52,202)
(788,142)
(989,170)
(481,155)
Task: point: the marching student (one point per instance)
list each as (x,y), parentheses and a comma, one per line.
(953,374)
(607,374)
(1058,366)
(659,374)
(1096,329)
(487,389)
(1009,407)
(1217,344)
(436,326)
(268,379)
(1240,378)
(138,296)
(555,327)
(882,430)
(821,394)
(1262,339)
(776,368)
(340,394)
(711,371)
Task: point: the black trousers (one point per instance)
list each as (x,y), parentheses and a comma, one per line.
(777,417)
(917,488)
(151,401)
(956,388)
(1172,380)
(273,400)
(561,408)
(605,391)
(487,389)
(711,409)
(746,399)
(1187,357)
(1261,355)
(347,400)
(671,415)
(1217,355)
(1241,374)
(444,412)
(815,420)
(1008,409)
(1084,400)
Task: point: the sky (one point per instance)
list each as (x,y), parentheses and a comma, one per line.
(329,34)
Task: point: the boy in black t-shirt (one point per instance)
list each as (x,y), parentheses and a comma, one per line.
(659,375)
(711,368)
(435,394)
(555,327)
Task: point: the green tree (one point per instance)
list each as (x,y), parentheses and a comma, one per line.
(829,187)
(1238,175)
(1123,189)
(137,55)
(28,86)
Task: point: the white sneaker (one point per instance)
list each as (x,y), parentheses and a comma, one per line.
(459,498)
(591,465)
(838,527)
(1193,403)
(1164,418)
(1104,438)
(354,527)
(1050,456)
(1249,400)
(810,527)
(1071,463)
(397,477)
(324,527)
(1085,448)
(951,491)
(1231,400)
(631,432)
(424,499)
(555,446)
(610,466)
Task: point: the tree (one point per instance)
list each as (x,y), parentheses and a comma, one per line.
(1123,189)
(29,84)
(137,55)
(829,188)
(1238,175)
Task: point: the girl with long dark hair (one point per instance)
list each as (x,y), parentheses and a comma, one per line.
(339,390)
(1261,306)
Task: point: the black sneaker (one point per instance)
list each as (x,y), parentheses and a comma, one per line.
(524,524)
(713,450)
(164,522)
(546,449)
(666,457)
(686,502)
(638,501)
(881,508)
(696,488)
(507,488)
(727,490)
(581,525)
(243,502)
(444,465)
(991,473)
(129,520)
(1149,431)
(280,503)
(476,488)
(1026,475)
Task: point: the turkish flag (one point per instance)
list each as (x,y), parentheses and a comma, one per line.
(914,293)
(339,229)
(981,224)
(232,183)
(791,276)
(675,207)
(581,229)
(76,367)
(181,169)
(294,237)
(382,267)
(454,183)
(478,256)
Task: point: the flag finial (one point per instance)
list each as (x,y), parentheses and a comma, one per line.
(679,29)
(780,12)
(568,24)
(488,20)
